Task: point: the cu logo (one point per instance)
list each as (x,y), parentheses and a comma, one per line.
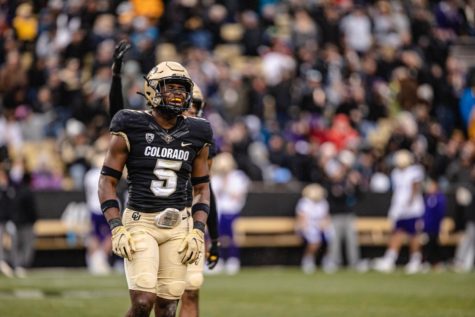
(136,215)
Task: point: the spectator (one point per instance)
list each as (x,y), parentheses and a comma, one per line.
(435,208)
(7,195)
(24,216)
(356,28)
(343,194)
(465,252)
(467,103)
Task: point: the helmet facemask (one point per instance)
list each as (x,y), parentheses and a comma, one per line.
(157,88)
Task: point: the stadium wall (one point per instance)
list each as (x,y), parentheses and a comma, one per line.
(51,205)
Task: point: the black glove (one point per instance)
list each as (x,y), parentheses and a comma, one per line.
(119,52)
(213,254)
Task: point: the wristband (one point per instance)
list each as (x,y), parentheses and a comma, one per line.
(111,203)
(113,223)
(200,206)
(199,225)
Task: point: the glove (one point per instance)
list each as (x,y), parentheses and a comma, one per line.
(122,243)
(119,52)
(213,255)
(191,246)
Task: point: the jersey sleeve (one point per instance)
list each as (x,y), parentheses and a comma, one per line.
(417,174)
(213,150)
(119,122)
(207,133)
(300,207)
(202,131)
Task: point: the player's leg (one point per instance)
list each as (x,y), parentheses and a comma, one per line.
(142,303)
(194,281)
(165,307)
(172,273)
(229,247)
(388,262)
(415,261)
(312,236)
(190,303)
(334,245)
(308,259)
(141,272)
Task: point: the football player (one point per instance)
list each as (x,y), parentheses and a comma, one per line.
(116,102)
(162,151)
(194,279)
(405,212)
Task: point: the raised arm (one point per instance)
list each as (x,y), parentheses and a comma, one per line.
(116,100)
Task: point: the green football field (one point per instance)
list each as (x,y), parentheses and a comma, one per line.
(257,292)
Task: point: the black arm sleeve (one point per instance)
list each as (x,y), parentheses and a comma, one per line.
(116,101)
(212,221)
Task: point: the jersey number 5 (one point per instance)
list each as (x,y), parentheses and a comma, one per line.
(165,171)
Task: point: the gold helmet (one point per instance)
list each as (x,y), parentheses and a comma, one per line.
(223,163)
(162,74)
(314,192)
(403,158)
(198,100)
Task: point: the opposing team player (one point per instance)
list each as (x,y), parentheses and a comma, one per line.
(161,149)
(194,279)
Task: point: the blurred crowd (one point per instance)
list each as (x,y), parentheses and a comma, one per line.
(296,90)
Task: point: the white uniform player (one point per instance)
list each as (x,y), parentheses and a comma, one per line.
(313,223)
(406,212)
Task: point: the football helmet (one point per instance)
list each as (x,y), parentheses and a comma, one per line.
(314,192)
(198,100)
(155,86)
(403,158)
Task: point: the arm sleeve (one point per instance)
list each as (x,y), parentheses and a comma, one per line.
(116,101)
(212,221)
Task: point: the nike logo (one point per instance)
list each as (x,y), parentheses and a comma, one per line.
(183,144)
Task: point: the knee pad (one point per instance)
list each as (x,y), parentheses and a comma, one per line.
(171,290)
(146,281)
(194,280)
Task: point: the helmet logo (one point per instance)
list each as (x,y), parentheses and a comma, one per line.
(149,137)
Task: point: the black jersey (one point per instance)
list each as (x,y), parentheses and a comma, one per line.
(159,162)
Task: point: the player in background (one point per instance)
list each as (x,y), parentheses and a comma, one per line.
(313,223)
(405,212)
(194,279)
(161,149)
(99,246)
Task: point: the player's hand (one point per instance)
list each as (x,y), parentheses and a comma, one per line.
(213,255)
(119,53)
(122,243)
(191,246)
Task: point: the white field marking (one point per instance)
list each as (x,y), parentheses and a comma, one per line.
(39,294)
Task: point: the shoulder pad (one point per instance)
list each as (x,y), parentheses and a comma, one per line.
(201,128)
(125,118)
